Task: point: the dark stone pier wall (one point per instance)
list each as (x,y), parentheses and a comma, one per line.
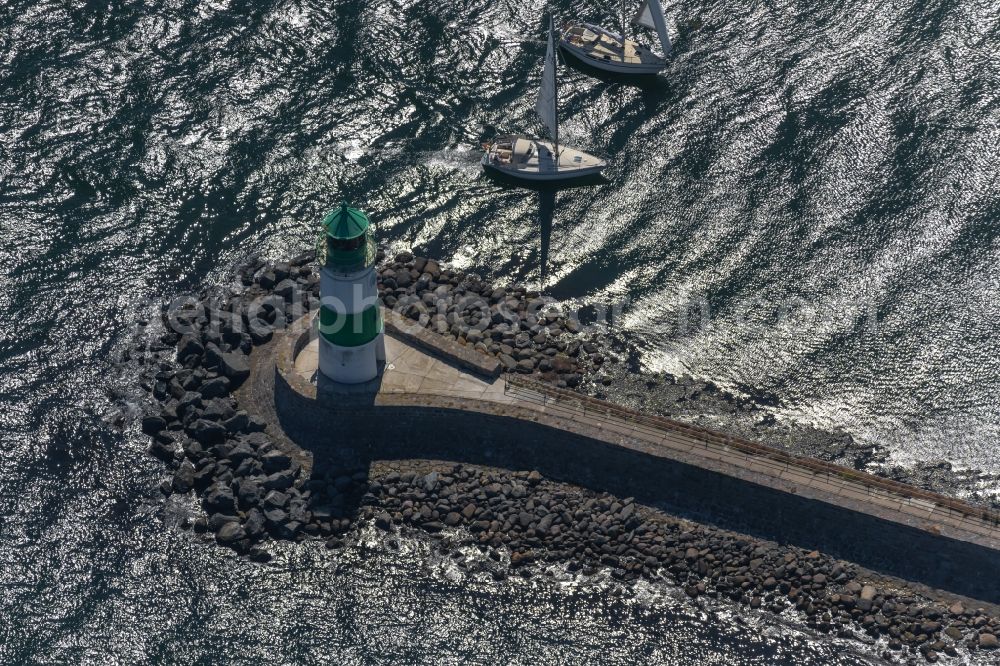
(357,433)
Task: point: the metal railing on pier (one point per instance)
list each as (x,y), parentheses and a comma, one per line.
(624,421)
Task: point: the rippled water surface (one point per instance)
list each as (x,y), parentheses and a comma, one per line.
(803,204)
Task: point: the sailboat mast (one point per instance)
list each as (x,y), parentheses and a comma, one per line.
(624,23)
(555,86)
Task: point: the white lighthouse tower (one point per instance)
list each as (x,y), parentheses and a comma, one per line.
(351,333)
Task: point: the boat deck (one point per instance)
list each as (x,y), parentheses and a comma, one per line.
(521,153)
(606,46)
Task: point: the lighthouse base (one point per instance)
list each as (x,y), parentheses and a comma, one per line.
(351,365)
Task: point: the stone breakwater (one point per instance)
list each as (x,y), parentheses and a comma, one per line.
(540,522)
(526,331)
(253,490)
(251,486)
(749,417)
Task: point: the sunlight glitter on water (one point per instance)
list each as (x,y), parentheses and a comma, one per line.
(843,156)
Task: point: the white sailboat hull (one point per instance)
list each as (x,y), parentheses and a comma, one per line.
(533,160)
(608,52)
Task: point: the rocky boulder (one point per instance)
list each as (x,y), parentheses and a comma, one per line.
(255,524)
(214,388)
(274,518)
(153,424)
(162,450)
(279,480)
(242,451)
(383,521)
(207,432)
(286,289)
(189,347)
(220,500)
(275,461)
(183,479)
(276,500)
(236,367)
(230,533)
(239,422)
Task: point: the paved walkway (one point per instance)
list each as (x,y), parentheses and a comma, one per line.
(407,371)
(413,377)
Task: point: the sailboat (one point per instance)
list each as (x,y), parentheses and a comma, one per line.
(611,52)
(534,159)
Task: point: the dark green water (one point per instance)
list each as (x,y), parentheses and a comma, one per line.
(820,180)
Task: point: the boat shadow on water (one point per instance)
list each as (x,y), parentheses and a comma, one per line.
(546,213)
(546,196)
(510,182)
(655,90)
(647,82)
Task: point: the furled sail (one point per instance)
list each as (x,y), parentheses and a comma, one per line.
(651,16)
(546,104)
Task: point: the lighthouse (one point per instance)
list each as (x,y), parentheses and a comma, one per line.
(351,336)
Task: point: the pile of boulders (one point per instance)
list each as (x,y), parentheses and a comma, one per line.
(249,488)
(526,331)
(252,489)
(544,523)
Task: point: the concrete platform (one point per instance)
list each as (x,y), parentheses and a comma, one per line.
(412,372)
(407,370)
(445,405)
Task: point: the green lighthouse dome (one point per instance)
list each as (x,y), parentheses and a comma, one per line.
(346,243)
(345,223)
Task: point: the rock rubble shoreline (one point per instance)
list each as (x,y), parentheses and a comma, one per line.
(253,492)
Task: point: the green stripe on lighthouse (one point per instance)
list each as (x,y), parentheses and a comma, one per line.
(350,330)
